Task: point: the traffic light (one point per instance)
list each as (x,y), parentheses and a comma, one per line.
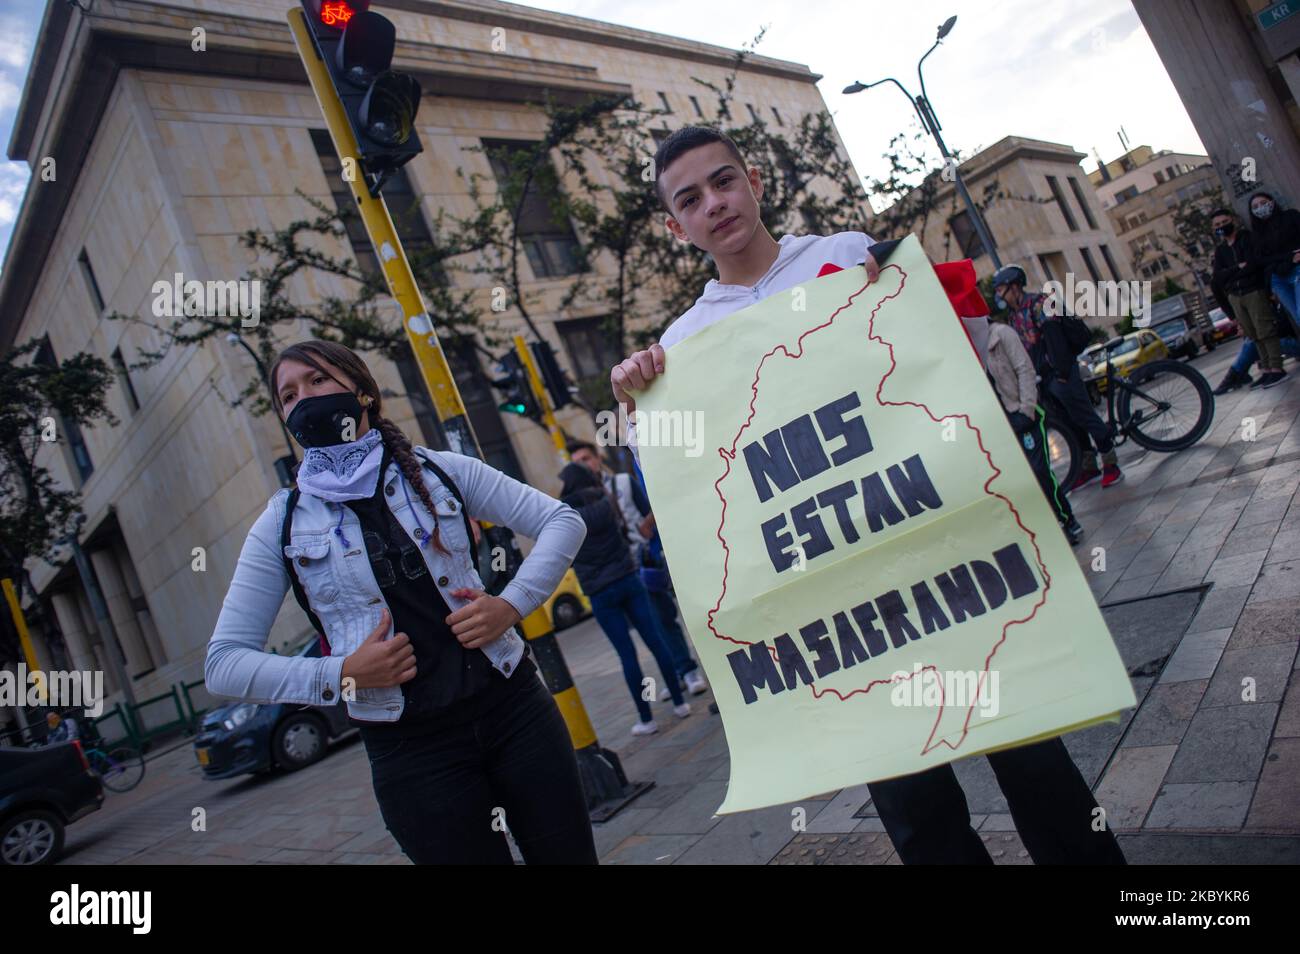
(557,385)
(357,46)
(512,381)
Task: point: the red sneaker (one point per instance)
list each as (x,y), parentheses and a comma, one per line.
(1111,474)
(1085,477)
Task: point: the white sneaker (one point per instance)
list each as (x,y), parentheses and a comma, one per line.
(695,683)
(682,711)
(665,693)
(645,728)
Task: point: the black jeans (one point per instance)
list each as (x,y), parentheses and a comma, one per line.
(447,795)
(1072,393)
(929,823)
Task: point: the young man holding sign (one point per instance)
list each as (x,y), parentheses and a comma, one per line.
(712,198)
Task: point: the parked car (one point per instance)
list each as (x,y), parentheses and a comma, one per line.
(246,737)
(1137,348)
(1183,336)
(568,604)
(1225,327)
(1088,358)
(42,791)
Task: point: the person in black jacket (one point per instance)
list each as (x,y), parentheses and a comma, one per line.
(1279,235)
(612,582)
(1243,268)
(1044,338)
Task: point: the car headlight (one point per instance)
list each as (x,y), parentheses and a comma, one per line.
(240,714)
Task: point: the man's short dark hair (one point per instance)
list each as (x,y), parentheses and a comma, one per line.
(1218,212)
(575,446)
(683,141)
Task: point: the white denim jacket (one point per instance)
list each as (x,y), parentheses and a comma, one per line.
(341,588)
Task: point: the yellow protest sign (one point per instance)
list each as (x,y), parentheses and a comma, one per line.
(869,572)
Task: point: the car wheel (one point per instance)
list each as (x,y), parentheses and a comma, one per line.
(298,741)
(31,838)
(565,612)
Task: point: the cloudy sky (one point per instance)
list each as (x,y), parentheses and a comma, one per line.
(1069,71)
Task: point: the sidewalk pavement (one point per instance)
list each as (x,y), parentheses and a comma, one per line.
(1205,769)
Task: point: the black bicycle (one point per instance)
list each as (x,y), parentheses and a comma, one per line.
(1163,405)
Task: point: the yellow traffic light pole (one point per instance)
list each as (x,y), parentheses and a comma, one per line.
(603,784)
(24,637)
(420,331)
(542,397)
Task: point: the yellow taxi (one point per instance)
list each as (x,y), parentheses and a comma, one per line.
(1136,349)
(568,603)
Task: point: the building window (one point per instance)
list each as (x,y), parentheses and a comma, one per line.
(779,120)
(1124,195)
(753,114)
(408,221)
(548,240)
(659,135)
(1160,177)
(1061,204)
(667,105)
(358,237)
(591,351)
(724,111)
(1092,266)
(124,379)
(1110,262)
(82,463)
(1044,262)
(1083,202)
(963,231)
(696,103)
(481,407)
(88,274)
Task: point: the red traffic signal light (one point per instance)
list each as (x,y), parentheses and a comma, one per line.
(357,45)
(335,14)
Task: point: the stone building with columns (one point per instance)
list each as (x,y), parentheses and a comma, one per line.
(165,154)
(1041,209)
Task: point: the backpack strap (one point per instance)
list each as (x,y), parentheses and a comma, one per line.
(450,484)
(298,592)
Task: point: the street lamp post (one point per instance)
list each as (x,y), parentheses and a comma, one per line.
(925,112)
(283,465)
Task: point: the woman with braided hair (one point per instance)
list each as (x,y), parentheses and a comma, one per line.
(463,738)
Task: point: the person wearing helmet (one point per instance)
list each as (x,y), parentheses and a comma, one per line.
(1044,338)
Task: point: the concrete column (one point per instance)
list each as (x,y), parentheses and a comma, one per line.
(140,606)
(96,643)
(1219,72)
(120,611)
(75,636)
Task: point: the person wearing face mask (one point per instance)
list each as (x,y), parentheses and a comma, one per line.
(1243,268)
(1279,235)
(463,738)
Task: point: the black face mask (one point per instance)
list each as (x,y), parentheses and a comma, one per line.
(319,421)
(1225,231)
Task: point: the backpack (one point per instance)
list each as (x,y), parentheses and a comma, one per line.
(287,526)
(1077,334)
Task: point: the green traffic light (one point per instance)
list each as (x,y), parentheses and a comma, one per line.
(517,407)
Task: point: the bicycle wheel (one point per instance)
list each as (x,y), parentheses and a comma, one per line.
(1167,406)
(1063,451)
(120,770)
